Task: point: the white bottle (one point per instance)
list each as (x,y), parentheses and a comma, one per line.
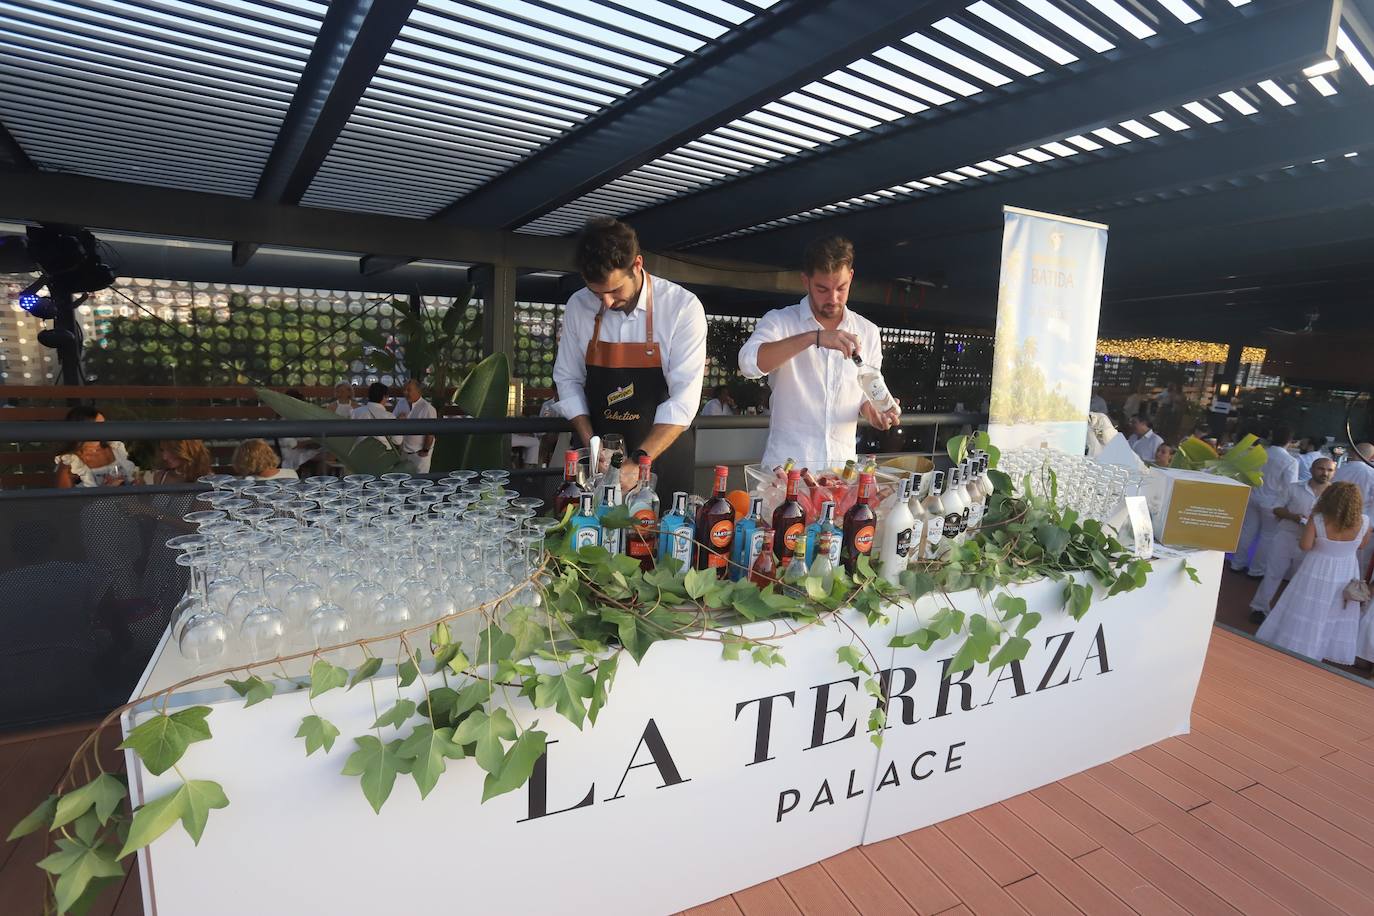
(952,506)
(895,547)
(975,495)
(873,386)
(613,539)
(918,516)
(935,518)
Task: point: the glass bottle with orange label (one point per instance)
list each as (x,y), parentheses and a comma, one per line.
(860,523)
(764,572)
(789,521)
(571,491)
(642,503)
(716,527)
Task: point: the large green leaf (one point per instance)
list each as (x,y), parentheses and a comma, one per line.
(456,312)
(360,456)
(162,740)
(484,394)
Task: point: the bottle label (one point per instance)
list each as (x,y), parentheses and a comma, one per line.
(613,539)
(716,560)
(641,537)
(975,515)
(935,532)
(952,524)
(682,544)
(585,536)
(791,536)
(835,546)
(904,542)
(722,533)
(863,540)
(963,519)
(754,548)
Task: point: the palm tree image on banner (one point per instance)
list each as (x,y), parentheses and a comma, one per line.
(1049,296)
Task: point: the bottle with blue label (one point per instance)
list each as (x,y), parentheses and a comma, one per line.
(748,540)
(613,539)
(676,530)
(826,523)
(584,527)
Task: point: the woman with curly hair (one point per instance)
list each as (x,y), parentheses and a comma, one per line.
(255,458)
(1313,617)
(183,461)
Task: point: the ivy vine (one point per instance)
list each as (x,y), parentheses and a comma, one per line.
(449,703)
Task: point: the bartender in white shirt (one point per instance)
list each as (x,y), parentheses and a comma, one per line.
(805,350)
(417,448)
(631,357)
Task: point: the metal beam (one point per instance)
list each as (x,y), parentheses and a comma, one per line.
(1279,40)
(171,213)
(496,287)
(765,60)
(354,38)
(12,155)
(1214,156)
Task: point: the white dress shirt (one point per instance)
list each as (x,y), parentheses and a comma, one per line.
(679,329)
(1279,472)
(816,396)
(1361,475)
(1145,446)
(1299,500)
(714,408)
(374,411)
(420,410)
(344,410)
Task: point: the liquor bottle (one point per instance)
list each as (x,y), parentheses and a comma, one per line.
(675,532)
(795,573)
(612,476)
(896,543)
(764,572)
(935,517)
(859,524)
(966,496)
(571,491)
(826,522)
(613,539)
(822,565)
(850,472)
(919,520)
(789,520)
(748,540)
(952,508)
(874,388)
(642,503)
(585,528)
(977,499)
(716,527)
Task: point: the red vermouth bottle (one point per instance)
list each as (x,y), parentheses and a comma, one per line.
(571,491)
(716,528)
(859,524)
(789,521)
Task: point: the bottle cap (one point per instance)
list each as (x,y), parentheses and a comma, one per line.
(645,461)
(794,475)
(722,470)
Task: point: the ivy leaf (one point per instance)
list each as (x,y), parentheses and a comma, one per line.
(39,818)
(1192,573)
(605,674)
(441,636)
(470,697)
(162,740)
(768,655)
(1053,538)
(377,764)
(517,765)
(428,747)
(369,668)
(1009,606)
(699,580)
(1078,598)
(104,793)
(318,733)
(486,731)
(324,677)
(877,720)
(397,715)
(851,656)
(254,690)
(527,633)
(750,604)
(408,671)
(496,645)
(1027,623)
(76,865)
(874,689)
(566,691)
(191,802)
(816,589)
(730,647)
(1014,650)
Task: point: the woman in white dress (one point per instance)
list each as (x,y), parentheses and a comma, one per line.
(1312,617)
(93,464)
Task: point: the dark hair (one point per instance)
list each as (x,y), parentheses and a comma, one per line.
(719,389)
(1141,418)
(82,412)
(605,246)
(827,255)
(1282,436)
(377,392)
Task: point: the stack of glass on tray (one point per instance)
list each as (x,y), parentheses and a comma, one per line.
(283,567)
(1079,483)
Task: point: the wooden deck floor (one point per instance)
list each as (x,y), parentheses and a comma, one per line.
(1266,808)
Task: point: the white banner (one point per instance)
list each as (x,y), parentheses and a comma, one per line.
(1048,301)
(701,777)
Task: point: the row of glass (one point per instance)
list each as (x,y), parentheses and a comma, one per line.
(285,566)
(1091,489)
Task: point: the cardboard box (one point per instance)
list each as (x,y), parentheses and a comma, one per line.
(1193,509)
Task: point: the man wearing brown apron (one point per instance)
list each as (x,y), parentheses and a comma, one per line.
(631,357)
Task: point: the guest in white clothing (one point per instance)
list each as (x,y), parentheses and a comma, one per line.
(1309,452)
(1284,552)
(255,458)
(806,351)
(1361,474)
(722,403)
(1257,528)
(375,409)
(417,447)
(1312,616)
(1144,441)
(343,400)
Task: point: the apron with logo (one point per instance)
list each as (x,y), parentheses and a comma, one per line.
(625,384)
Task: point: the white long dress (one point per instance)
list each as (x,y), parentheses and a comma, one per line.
(1312,617)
